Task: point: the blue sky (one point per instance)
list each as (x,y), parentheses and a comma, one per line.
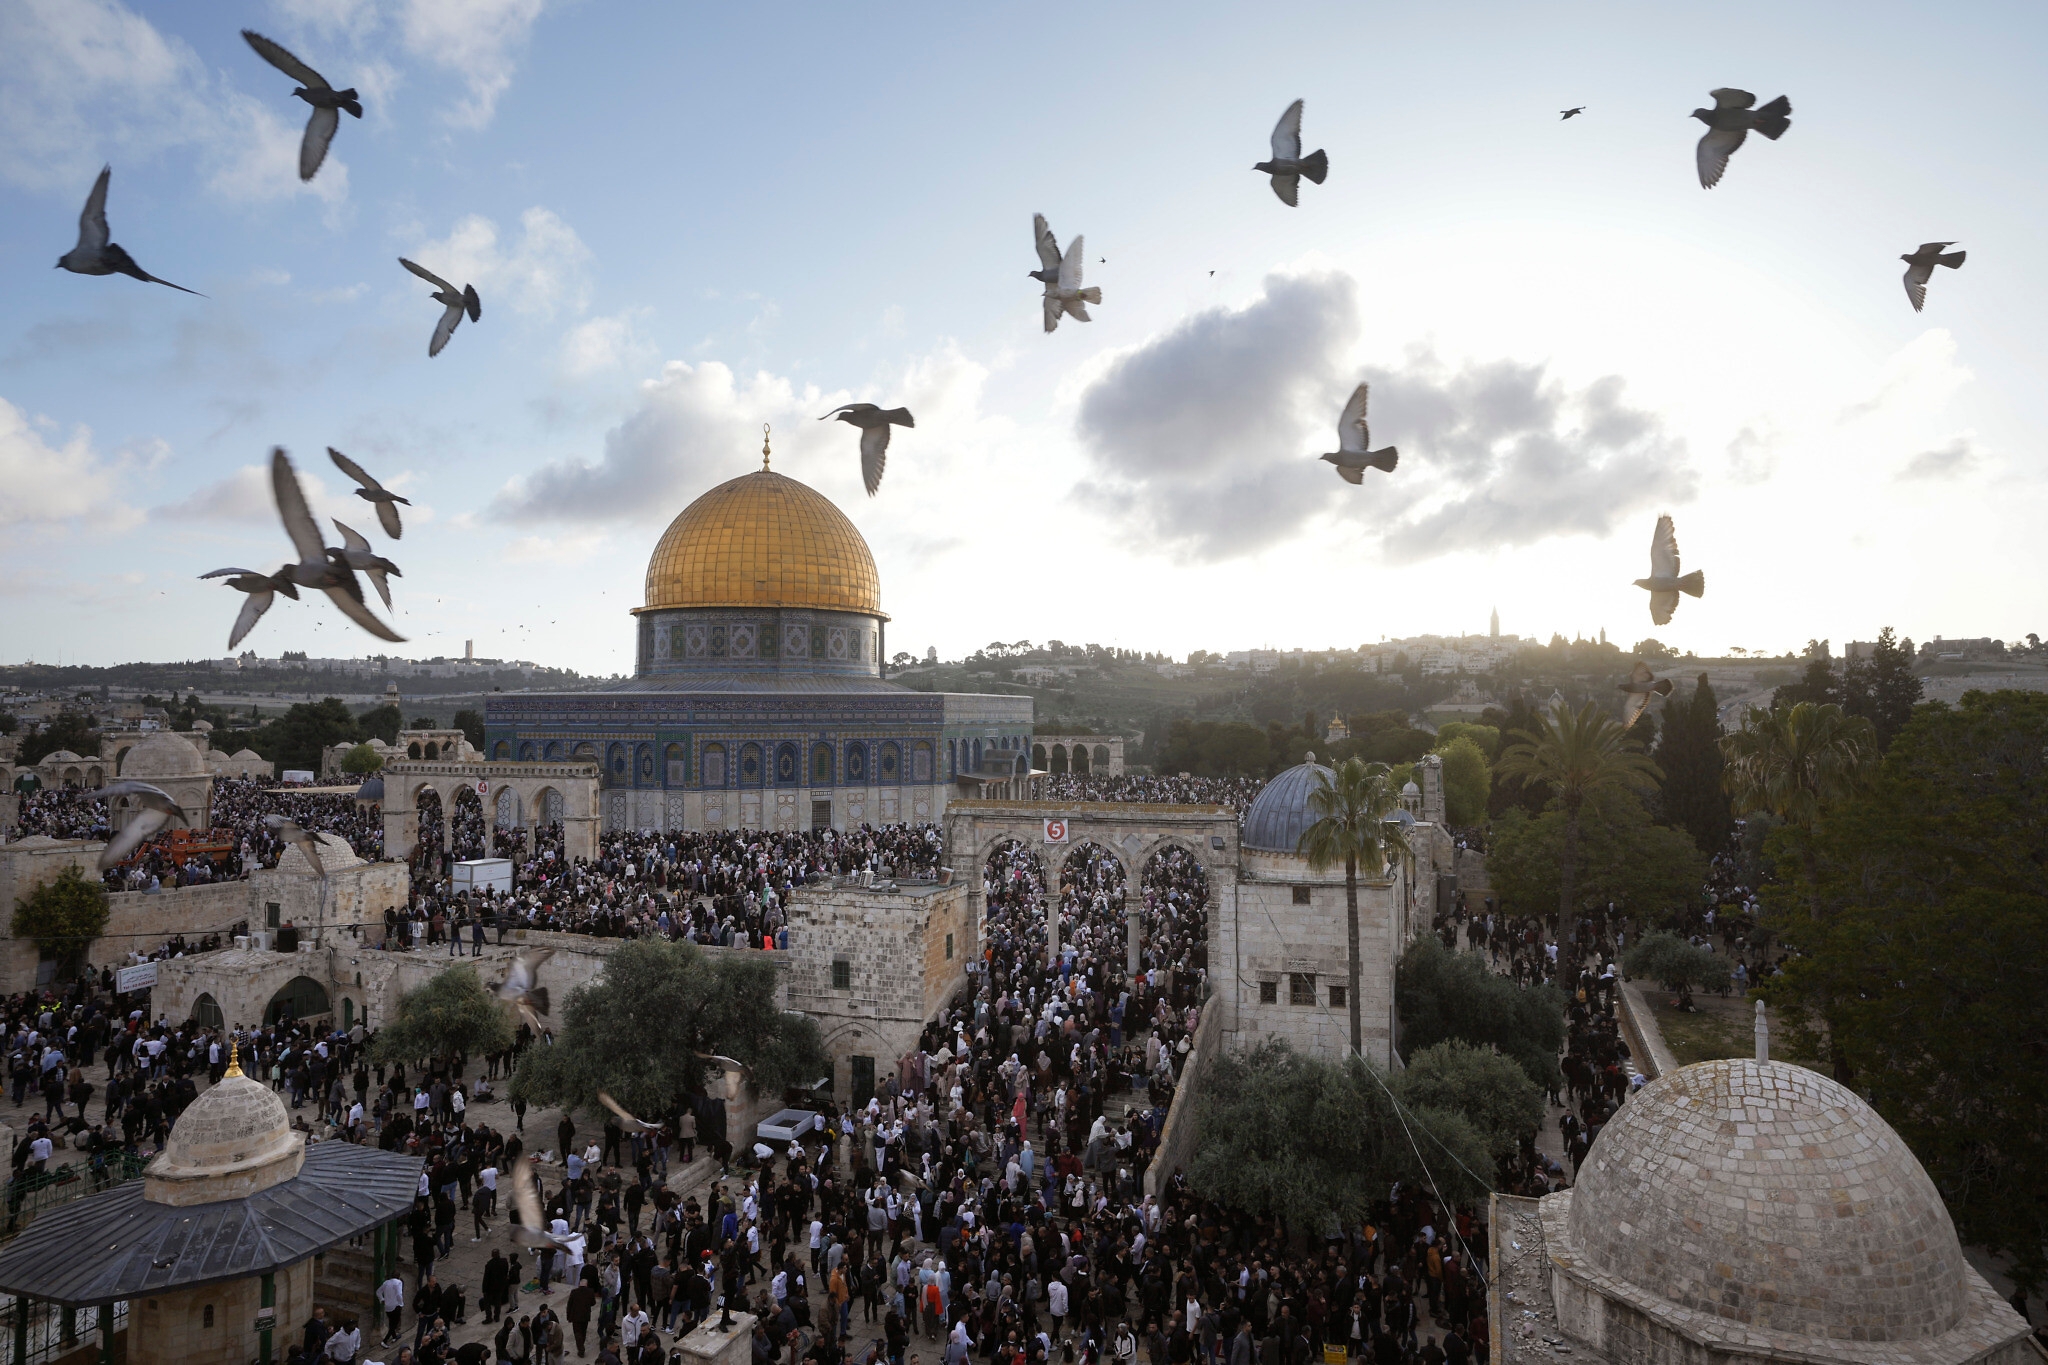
(687,220)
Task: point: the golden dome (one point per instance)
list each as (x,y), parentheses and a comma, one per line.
(763,540)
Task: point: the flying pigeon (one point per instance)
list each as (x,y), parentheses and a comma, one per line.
(1048,272)
(518,988)
(737,1073)
(1640,685)
(94,254)
(456,303)
(1920,265)
(1664,584)
(262,590)
(319,566)
(1351,456)
(1570,113)
(1729,122)
(531,1229)
(367,561)
(874,424)
(385,501)
(1288,165)
(158,809)
(313,88)
(632,1125)
(1066,295)
(308,841)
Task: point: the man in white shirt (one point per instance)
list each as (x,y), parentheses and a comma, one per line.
(391,1295)
(631,1326)
(343,1344)
(1056,1305)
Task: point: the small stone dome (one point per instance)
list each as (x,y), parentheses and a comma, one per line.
(247,756)
(62,756)
(371,790)
(1742,1200)
(231,1142)
(1280,813)
(163,754)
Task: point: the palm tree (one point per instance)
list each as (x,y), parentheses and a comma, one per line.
(1576,754)
(1357,825)
(1792,761)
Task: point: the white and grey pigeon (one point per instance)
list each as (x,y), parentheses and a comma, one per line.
(95,254)
(383,499)
(1729,122)
(308,842)
(1048,246)
(531,1229)
(1642,684)
(519,990)
(1664,583)
(320,566)
(626,1120)
(454,304)
(1288,165)
(874,424)
(262,590)
(313,88)
(158,808)
(1353,436)
(1065,294)
(1920,267)
(366,561)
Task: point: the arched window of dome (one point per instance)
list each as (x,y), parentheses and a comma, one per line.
(952,758)
(856,762)
(921,762)
(977,756)
(675,765)
(753,767)
(528,752)
(586,750)
(643,762)
(714,765)
(889,763)
(502,749)
(821,765)
(554,751)
(785,765)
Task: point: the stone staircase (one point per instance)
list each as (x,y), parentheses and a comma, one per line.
(341,1282)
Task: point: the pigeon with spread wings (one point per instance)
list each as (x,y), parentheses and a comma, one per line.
(454,304)
(874,424)
(376,494)
(1288,165)
(737,1073)
(366,561)
(319,566)
(1920,268)
(531,1229)
(1048,247)
(1665,583)
(519,990)
(1728,125)
(158,808)
(308,842)
(1065,294)
(95,254)
(1640,687)
(313,88)
(262,590)
(1353,436)
(631,1124)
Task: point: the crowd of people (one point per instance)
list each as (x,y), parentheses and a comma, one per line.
(1234,792)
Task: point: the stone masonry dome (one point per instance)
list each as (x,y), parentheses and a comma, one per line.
(163,754)
(1761,1208)
(231,1142)
(763,540)
(1280,813)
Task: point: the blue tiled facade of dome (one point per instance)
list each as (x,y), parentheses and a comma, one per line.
(1280,813)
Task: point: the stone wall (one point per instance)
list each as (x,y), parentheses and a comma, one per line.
(174,1328)
(1177,1138)
(891,949)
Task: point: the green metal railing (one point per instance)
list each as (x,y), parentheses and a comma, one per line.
(32,1194)
(35,1333)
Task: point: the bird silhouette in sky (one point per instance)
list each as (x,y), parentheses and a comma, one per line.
(1664,583)
(95,254)
(385,501)
(454,305)
(1920,267)
(262,590)
(313,88)
(874,424)
(1288,165)
(1640,687)
(1351,456)
(1728,125)
(1572,112)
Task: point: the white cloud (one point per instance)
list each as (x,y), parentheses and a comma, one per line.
(42,483)
(1920,377)
(540,273)
(478,39)
(605,343)
(86,82)
(244,497)
(577,547)
(1954,460)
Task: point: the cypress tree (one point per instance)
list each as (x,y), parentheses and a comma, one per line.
(1689,752)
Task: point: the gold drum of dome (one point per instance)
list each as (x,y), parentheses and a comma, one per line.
(763,540)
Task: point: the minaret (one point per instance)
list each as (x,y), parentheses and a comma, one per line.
(1493,625)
